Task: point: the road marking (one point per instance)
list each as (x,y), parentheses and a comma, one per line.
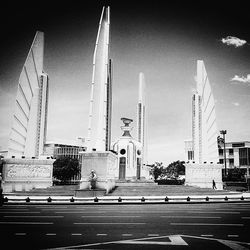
(245,218)
(233,235)
(210,212)
(20,234)
(235,245)
(108,223)
(207,235)
(101,234)
(14,209)
(175,240)
(192,217)
(110,216)
(78,212)
(51,207)
(75,234)
(34,216)
(25,222)
(127,234)
(20,212)
(153,235)
(51,234)
(232,209)
(205,224)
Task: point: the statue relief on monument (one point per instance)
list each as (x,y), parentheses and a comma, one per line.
(28,171)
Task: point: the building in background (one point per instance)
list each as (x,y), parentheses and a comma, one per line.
(99,127)
(237,154)
(28,131)
(204,128)
(62,148)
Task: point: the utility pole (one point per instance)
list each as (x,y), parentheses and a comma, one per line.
(223,132)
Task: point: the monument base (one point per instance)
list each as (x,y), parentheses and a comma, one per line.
(202,175)
(104,165)
(26,174)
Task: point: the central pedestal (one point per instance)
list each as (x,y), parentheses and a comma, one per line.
(104,165)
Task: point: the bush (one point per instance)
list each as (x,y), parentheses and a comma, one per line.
(64,169)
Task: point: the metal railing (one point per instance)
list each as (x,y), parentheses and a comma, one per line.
(125,200)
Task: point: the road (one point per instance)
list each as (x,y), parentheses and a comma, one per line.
(145,226)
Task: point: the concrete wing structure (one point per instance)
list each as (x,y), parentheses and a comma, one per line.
(28,131)
(99,128)
(204,128)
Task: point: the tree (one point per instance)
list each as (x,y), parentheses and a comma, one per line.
(157,170)
(176,168)
(65,168)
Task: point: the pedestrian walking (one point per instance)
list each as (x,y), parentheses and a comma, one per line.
(214,185)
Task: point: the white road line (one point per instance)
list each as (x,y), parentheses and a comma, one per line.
(51,234)
(33,216)
(245,218)
(51,206)
(25,223)
(127,234)
(21,212)
(78,212)
(75,234)
(101,234)
(20,233)
(206,224)
(212,212)
(153,235)
(192,217)
(14,209)
(107,223)
(232,209)
(233,235)
(207,235)
(110,216)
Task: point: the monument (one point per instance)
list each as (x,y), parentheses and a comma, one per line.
(98,157)
(100,109)
(142,125)
(203,169)
(129,152)
(28,131)
(23,169)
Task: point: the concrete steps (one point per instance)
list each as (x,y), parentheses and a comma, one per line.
(162,190)
(62,190)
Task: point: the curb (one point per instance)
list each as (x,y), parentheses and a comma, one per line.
(125,200)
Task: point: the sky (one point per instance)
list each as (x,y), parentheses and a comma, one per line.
(163,40)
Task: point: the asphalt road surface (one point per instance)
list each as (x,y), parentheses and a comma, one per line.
(118,226)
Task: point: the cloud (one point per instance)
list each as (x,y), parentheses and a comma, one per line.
(241,79)
(236,104)
(234,41)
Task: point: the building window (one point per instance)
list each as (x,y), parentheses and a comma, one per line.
(238,145)
(220,151)
(221,161)
(139,152)
(231,151)
(190,155)
(231,162)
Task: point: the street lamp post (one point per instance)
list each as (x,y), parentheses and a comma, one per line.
(223,132)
